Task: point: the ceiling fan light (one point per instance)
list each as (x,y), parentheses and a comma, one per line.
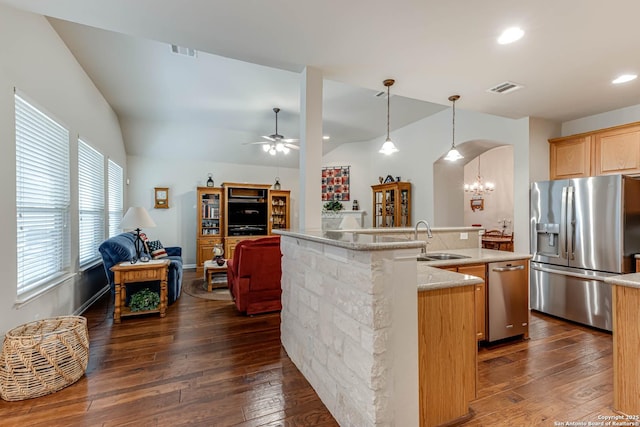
(272,150)
(285,149)
(388,147)
(265,147)
(279,146)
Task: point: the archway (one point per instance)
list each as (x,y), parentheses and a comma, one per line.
(451,203)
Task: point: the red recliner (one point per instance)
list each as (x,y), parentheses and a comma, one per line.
(254,274)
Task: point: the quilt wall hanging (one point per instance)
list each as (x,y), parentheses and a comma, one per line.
(335,183)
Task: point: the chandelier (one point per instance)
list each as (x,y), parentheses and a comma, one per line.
(479,187)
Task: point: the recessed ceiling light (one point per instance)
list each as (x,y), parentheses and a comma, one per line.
(326,137)
(510,35)
(624,78)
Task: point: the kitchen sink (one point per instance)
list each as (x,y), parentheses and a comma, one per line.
(439,256)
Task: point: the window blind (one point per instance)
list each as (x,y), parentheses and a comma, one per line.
(42,197)
(90,202)
(116,183)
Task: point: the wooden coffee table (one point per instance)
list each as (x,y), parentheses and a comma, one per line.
(212,269)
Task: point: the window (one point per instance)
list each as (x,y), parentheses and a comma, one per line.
(115,197)
(42,198)
(90,202)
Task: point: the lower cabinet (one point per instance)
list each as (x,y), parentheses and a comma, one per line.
(478,270)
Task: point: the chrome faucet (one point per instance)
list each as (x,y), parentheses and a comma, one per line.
(429,235)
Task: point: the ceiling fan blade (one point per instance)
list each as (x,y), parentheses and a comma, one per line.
(295,147)
(257,142)
(290,140)
(269,138)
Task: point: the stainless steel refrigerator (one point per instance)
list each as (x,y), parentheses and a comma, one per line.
(582,231)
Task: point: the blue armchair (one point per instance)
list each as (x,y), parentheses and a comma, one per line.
(121,248)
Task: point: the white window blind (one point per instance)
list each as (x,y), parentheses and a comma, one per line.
(42,197)
(90,202)
(116,183)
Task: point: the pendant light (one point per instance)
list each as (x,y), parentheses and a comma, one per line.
(388,147)
(453,154)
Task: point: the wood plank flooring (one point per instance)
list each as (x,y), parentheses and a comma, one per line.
(206,365)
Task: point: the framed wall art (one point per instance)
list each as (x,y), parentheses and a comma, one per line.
(335,183)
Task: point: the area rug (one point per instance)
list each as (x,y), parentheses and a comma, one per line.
(198,288)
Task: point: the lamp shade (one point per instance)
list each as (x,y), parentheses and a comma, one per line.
(135,218)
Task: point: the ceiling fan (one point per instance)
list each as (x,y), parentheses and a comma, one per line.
(276,143)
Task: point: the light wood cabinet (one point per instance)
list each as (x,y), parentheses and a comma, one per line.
(210,224)
(279,216)
(392,204)
(447,355)
(617,151)
(481,297)
(570,157)
(478,270)
(614,150)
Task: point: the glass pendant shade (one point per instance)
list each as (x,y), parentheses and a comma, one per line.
(388,147)
(453,155)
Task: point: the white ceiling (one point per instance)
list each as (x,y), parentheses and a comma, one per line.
(571,51)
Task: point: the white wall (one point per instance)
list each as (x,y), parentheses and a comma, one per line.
(496,166)
(176,226)
(35,60)
(540,131)
(600,121)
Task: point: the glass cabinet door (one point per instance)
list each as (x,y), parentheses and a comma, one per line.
(210,205)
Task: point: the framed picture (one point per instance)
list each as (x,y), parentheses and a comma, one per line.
(335,183)
(161,195)
(477,204)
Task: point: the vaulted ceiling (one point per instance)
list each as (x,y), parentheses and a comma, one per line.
(251,54)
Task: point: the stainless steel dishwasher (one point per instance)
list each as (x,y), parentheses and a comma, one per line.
(508,299)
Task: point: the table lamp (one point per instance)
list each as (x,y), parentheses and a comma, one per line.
(135,219)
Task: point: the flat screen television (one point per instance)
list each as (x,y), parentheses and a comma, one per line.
(247,213)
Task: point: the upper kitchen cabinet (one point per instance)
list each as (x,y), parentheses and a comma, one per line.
(608,151)
(570,157)
(617,151)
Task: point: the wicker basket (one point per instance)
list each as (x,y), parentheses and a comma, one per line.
(43,357)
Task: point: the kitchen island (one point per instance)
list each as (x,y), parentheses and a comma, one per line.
(350,322)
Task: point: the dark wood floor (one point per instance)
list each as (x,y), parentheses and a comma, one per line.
(205,365)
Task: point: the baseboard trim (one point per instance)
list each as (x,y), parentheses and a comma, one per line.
(90,301)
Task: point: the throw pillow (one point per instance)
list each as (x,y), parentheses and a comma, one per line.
(156,249)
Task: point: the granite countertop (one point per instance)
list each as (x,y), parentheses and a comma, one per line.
(631,280)
(355,240)
(430,278)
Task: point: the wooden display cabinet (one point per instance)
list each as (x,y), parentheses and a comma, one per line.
(246,212)
(279,217)
(392,204)
(210,224)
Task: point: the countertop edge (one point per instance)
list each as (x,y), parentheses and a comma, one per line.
(357,246)
(631,280)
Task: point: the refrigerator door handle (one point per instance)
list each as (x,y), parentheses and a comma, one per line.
(568,273)
(564,252)
(571,222)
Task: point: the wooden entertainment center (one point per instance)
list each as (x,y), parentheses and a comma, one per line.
(236,212)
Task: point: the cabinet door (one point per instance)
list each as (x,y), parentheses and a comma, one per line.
(481,298)
(570,158)
(617,151)
(205,251)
